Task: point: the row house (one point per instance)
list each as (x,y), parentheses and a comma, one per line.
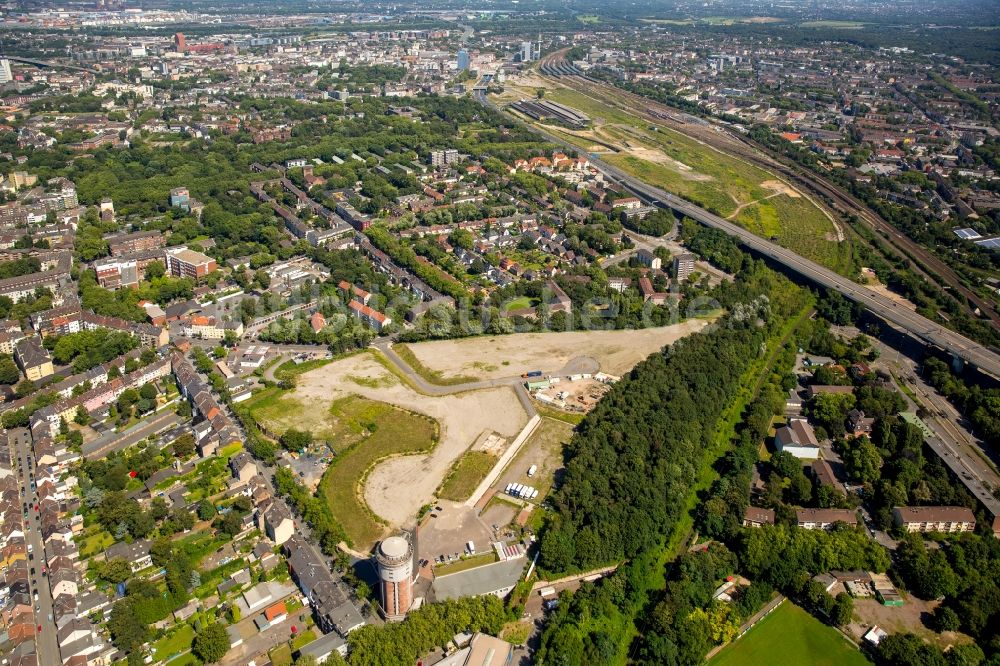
(48,418)
(22,287)
(330,602)
(217,429)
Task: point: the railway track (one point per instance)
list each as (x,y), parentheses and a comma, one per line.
(926,263)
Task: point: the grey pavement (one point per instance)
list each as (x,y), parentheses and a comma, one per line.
(118,441)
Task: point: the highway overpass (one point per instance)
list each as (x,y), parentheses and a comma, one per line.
(885,308)
(50,64)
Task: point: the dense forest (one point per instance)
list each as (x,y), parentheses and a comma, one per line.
(627,487)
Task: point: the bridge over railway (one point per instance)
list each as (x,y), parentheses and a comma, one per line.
(961,348)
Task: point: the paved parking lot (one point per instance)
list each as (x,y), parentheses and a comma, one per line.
(448,533)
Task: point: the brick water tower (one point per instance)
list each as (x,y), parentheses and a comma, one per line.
(395,572)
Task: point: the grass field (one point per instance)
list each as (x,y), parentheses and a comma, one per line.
(371,431)
(714,180)
(788,636)
(173,643)
(278,411)
(466,475)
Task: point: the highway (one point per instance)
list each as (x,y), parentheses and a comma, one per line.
(723,138)
(50,64)
(881,306)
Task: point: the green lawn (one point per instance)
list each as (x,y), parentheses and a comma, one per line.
(173,643)
(281,655)
(96,541)
(466,475)
(304,638)
(788,636)
(466,563)
(374,431)
(520,303)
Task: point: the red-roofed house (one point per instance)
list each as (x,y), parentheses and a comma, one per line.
(276,613)
(373,318)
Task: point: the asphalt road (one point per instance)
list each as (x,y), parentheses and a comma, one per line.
(112,441)
(579,364)
(45,641)
(966,455)
(920,327)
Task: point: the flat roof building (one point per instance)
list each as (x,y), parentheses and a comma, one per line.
(186,263)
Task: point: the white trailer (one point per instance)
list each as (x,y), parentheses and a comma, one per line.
(532,470)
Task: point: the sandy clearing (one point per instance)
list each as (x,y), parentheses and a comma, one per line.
(483,357)
(398,487)
(875,284)
(781,187)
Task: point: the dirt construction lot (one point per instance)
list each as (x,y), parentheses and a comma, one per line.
(396,488)
(504,356)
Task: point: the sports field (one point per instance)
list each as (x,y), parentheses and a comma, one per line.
(790,636)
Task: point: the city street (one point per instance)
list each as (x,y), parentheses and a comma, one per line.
(116,441)
(48,649)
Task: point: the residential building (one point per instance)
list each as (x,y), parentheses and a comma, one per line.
(797,438)
(277,522)
(136,242)
(135,554)
(648,259)
(373,318)
(858,424)
(32,358)
(683,266)
(182,262)
(934,518)
(243,467)
(756,517)
(816,519)
(441,158)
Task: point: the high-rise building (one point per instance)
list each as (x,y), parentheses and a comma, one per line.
(395,572)
(463,60)
(527,51)
(180,45)
(683,266)
(6,76)
(447,157)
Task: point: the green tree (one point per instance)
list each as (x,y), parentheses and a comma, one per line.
(115,571)
(128,631)
(206,510)
(184,445)
(843,609)
(862,460)
(211,644)
(296,440)
(8,371)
